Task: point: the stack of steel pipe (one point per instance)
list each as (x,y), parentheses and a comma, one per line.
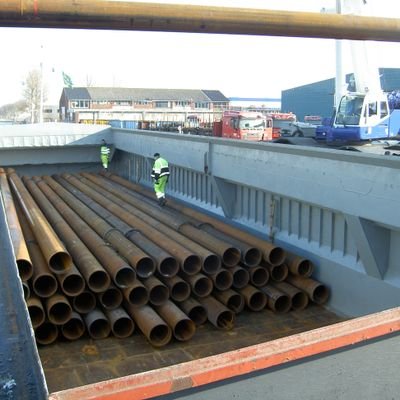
(128,265)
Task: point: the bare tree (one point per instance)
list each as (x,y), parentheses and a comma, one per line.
(32,93)
(13,110)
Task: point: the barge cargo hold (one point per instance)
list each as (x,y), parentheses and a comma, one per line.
(345,227)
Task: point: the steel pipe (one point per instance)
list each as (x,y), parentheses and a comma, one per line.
(53,249)
(95,275)
(317,292)
(71,282)
(74,328)
(36,311)
(194,310)
(22,257)
(137,294)
(241,277)
(119,270)
(58,309)
(274,255)
(277,273)
(110,298)
(26,289)
(259,276)
(278,301)
(249,255)
(219,315)
(299,265)
(165,263)
(84,302)
(299,299)
(188,261)
(255,299)
(46,333)
(158,292)
(229,254)
(97,324)
(122,325)
(43,281)
(222,279)
(200,284)
(139,260)
(124,15)
(182,327)
(153,327)
(179,289)
(233,300)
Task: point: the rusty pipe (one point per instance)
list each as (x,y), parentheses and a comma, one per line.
(74,328)
(219,315)
(153,327)
(255,299)
(46,333)
(136,16)
(259,276)
(299,265)
(36,311)
(139,260)
(84,302)
(222,279)
(26,289)
(122,325)
(273,254)
(119,270)
(241,277)
(183,328)
(233,300)
(97,324)
(317,291)
(277,301)
(179,289)
(22,257)
(52,248)
(229,254)
(137,294)
(194,310)
(58,309)
(71,282)
(200,284)
(110,298)
(277,273)
(250,255)
(158,292)
(188,261)
(43,281)
(299,299)
(165,263)
(95,275)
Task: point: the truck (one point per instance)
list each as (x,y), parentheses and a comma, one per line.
(244,125)
(258,348)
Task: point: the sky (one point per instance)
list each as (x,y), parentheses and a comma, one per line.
(263,66)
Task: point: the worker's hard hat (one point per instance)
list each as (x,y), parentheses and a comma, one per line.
(156,155)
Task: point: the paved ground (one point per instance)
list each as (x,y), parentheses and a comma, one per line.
(72,364)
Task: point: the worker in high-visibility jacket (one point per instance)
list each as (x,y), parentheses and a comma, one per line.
(104,154)
(160,175)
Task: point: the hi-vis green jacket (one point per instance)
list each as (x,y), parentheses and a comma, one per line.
(160,168)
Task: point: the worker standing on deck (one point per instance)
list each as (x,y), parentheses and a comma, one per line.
(104,154)
(160,175)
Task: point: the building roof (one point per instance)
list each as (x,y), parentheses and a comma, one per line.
(140,94)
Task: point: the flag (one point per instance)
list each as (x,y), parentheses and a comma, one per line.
(67,80)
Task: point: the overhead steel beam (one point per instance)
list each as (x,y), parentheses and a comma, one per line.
(123,15)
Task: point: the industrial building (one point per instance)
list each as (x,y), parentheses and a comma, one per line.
(320,95)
